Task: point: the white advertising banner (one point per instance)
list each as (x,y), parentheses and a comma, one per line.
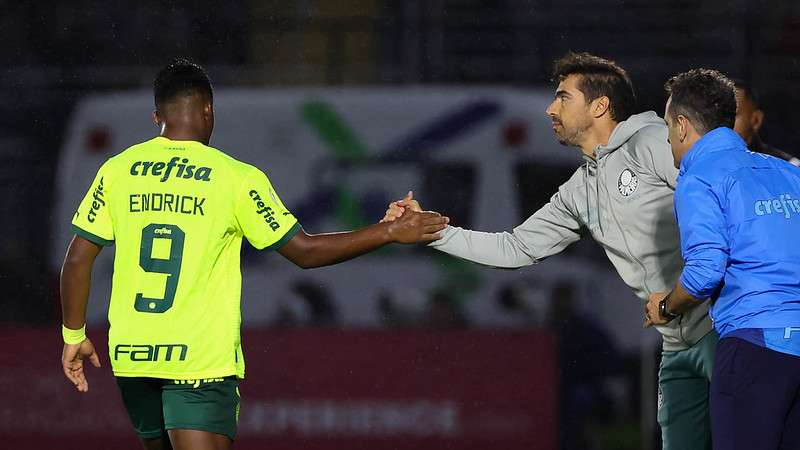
(484,156)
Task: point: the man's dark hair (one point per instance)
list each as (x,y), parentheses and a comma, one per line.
(599,77)
(748,91)
(180,77)
(704,96)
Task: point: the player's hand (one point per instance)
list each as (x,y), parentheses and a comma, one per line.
(652,312)
(413,227)
(72,361)
(396,208)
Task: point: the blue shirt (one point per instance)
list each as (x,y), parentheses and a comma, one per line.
(739,219)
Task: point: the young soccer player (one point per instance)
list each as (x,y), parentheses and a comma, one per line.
(177,210)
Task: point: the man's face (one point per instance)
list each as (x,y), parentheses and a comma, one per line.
(569,112)
(748,117)
(674,136)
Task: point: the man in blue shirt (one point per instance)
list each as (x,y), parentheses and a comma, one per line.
(739,219)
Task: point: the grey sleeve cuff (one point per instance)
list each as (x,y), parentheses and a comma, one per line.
(491,249)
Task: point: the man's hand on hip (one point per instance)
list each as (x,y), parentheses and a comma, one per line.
(652,312)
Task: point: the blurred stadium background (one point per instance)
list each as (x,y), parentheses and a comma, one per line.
(346,105)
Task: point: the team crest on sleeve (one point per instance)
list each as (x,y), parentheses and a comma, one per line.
(273,196)
(627,182)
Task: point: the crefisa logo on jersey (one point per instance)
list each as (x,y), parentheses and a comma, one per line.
(165,169)
(265,211)
(97,202)
(627,183)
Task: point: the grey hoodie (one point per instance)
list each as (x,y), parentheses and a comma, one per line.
(624,199)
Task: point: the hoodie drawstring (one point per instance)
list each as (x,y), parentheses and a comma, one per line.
(586,188)
(597,197)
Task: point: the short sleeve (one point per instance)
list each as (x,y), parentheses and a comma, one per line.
(262,217)
(92,220)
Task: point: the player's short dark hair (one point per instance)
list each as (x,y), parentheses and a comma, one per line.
(748,90)
(599,77)
(704,96)
(181,77)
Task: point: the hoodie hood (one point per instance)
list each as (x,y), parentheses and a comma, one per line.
(626,129)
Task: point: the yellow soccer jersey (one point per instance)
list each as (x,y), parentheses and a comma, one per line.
(177,212)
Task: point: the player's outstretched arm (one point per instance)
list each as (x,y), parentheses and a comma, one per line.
(76,275)
(316,250)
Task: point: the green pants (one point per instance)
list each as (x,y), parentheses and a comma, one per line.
(683,387)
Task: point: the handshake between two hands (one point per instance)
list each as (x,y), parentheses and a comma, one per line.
(411,224)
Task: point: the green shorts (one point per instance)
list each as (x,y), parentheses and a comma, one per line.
(156,405)
(683,393)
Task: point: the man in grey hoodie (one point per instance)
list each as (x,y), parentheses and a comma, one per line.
(622,196)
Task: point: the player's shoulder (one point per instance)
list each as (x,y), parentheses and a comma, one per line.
(238,168)
(117,161)
(134,151)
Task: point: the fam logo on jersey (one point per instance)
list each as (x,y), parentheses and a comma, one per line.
(164,169)
(151,353)
(627,183)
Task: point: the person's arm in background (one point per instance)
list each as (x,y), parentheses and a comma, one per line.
(76,277)
(547,232)
(704,246)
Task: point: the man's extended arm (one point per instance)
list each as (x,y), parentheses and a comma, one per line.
(547,232)
(318,250)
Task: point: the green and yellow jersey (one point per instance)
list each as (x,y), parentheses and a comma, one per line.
(177,212)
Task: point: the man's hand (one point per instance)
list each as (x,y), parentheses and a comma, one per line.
(652,312)
(413,227)
(72,362)
(396,208)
